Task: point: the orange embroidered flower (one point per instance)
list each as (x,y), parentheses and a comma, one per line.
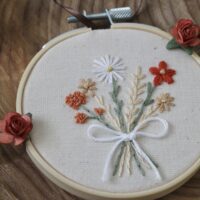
(81,118)
(99,111)
(162,74)
(76,99)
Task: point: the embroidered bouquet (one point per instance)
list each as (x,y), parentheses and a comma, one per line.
(123,122)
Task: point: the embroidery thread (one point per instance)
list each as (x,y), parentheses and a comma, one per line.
(124,128)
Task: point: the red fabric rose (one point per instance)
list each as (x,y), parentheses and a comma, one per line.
(14,128)
(162,74)
(186,33)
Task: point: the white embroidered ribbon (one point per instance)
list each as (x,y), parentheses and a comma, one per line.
(119,137)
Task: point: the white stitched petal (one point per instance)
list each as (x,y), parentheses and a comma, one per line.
(107,68)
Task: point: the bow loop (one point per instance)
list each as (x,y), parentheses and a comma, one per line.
(159,134)
(99,133)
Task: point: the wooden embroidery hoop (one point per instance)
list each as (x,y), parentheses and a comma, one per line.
(76,188)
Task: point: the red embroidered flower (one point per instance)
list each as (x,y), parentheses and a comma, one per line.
(14,128)
(99,111)
(162,74)
(81,118)
(76,99)
(186,33)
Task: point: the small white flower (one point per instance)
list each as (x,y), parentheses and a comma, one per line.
(108,68)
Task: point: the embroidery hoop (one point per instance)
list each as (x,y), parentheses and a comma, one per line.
(70,185)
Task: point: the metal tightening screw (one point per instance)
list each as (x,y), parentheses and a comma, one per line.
(116,14)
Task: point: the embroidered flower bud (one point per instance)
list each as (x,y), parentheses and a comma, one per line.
(99,111)
(81,118)
(76,99)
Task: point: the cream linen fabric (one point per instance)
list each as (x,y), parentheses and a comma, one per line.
(65,144)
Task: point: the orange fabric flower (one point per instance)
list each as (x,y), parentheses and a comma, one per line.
(162,74)
(76,99)
(99,111)
(81,118)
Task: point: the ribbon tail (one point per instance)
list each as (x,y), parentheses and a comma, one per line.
(144,155)
(108,169)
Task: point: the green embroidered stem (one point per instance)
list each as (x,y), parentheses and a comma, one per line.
(156,165)
(118,159)
(148,101)
(100,118)
(119,104)
(137,161)
(88,111)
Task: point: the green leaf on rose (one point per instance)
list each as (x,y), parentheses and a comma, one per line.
(172,44)
(188,50)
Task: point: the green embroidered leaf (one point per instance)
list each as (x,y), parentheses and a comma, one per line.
(118,103)
(149,102)
(116,111)
(118,159)
(121,103)
(188,50)
(172,44)
(149,87)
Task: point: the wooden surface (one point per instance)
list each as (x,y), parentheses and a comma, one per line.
(25,25)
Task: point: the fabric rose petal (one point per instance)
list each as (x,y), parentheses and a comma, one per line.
(14,128)
(162,74)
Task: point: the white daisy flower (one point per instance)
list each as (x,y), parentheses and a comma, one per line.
(107,68)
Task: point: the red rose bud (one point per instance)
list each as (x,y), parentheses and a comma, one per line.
(14,128)
(186,33)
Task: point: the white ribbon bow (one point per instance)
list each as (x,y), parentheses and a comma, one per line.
(119,137)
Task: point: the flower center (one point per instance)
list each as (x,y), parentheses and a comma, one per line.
(162,71)
(109,69)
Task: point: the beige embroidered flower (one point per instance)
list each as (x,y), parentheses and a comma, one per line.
(88,87)
(164,102)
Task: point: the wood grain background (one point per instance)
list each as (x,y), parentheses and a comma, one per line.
(25,25)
